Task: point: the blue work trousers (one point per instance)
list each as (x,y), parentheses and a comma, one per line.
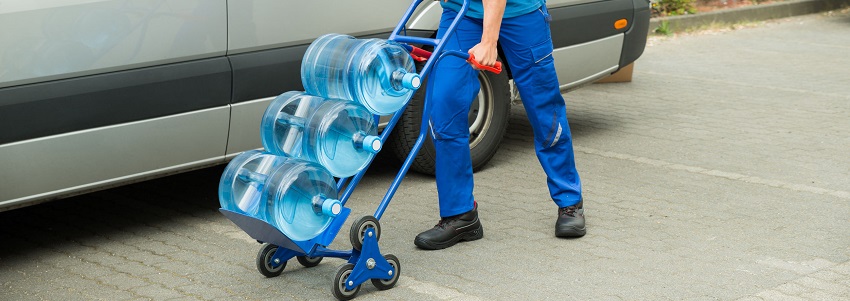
(527,45)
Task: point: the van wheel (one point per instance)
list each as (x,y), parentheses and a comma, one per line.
(488,121)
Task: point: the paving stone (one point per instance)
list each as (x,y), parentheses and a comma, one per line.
(158,292)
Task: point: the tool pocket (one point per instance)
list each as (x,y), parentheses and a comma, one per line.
(542,67)
(542,53)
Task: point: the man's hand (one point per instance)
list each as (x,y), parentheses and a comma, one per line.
(485,54)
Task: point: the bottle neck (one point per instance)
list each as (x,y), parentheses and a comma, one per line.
(401,79)
(326,206)
(369,143)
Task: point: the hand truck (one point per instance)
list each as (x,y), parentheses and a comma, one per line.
(365,261)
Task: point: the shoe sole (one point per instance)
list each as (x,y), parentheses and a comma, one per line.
(570,232)
(466,236)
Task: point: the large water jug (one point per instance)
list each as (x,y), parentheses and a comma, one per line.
(302,199)
(339,135)
(379,74)
(241,185)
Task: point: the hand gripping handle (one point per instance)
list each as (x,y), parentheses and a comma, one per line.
(421,54)
(496,68)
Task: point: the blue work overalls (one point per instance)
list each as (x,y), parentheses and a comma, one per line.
(527,45)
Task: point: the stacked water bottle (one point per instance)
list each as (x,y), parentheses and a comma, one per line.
(328,131)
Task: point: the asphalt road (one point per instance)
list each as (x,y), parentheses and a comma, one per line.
(721,172)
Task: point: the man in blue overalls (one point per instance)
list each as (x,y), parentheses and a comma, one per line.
(521,27)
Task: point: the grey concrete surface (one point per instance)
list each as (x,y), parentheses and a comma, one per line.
(719,173)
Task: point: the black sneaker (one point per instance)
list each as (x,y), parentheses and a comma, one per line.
(451,230)
(570,221)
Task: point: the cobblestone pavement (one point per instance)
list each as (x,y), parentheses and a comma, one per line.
(720,172)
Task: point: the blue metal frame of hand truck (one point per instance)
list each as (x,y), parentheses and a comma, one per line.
(369,254)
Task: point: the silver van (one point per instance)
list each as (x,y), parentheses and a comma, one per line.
(100,93)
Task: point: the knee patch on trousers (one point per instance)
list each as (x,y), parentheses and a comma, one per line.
(449,132)
(555,133)
(556,137)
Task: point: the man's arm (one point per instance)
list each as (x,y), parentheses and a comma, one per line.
(485,52)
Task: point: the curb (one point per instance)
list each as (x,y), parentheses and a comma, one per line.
(753,13)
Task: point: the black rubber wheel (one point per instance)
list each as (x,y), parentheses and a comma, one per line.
(339,290)
(264,264)
(488,121)
(385,284)
(309,262)
(358,230)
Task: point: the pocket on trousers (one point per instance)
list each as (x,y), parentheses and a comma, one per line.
(543,65)
(542,53)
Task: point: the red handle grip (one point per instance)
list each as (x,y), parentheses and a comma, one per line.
(420,54)
(496,68)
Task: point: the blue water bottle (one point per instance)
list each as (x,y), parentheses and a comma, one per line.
(244,178)
(301,199)
(379,74)
(339,135)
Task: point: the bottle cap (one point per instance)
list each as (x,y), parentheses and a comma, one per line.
(372,144)
(411,81)
(331,207)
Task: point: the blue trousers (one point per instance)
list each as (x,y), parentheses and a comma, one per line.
(527,45)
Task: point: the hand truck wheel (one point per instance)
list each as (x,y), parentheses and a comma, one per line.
(339,290)
(358,230)
(265,264)
(385,284)
(309,262)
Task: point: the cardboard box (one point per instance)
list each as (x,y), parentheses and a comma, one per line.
(624,75)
